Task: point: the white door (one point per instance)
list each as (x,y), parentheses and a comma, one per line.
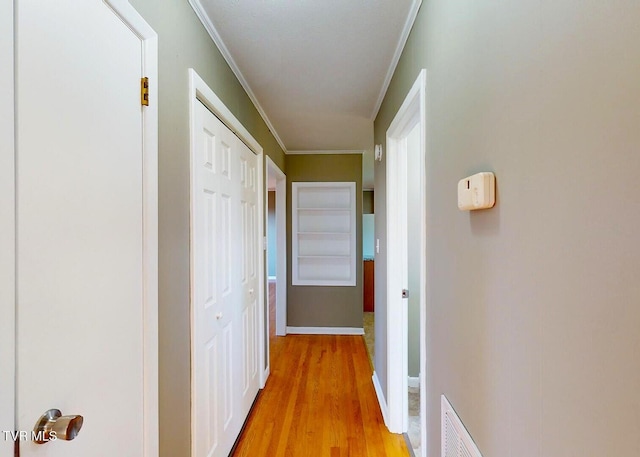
(79,227)
(225,284)
(250,283)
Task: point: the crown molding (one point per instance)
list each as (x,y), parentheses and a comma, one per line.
(217,39)
(197,7)
(404,36)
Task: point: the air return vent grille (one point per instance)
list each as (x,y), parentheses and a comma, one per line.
(456,441)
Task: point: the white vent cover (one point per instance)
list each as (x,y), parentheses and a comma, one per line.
(456,441)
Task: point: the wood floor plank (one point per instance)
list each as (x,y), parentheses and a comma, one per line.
(319,401)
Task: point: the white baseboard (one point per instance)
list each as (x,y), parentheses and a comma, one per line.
(271,278)
(381,401)
(325,331)
(413,382)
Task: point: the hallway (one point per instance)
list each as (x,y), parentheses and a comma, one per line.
(318,401)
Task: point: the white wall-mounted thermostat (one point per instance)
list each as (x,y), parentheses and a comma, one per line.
(477,191)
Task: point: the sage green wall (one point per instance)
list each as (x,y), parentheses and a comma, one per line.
(316,306)
(533,316)
(183,44)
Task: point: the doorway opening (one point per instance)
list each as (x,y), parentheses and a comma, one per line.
(276,235)
(406,268)
(276,258)
(413,187)
(368,270)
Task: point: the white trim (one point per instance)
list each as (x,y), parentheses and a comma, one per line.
(297,236)
(381,401)
(404,36)
(423,263)
(150,219)
(271,278)
(281,247)
(200,92)
(326,151)
(411,113)
(263,321)
(149,39)
(7,227)
(217,39)
(325,331)
(413,381)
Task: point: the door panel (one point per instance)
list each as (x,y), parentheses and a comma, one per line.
(225,254)
(213,289)
(80,228)
(250,283)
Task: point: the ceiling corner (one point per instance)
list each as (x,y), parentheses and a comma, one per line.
(404,36)
(217,40)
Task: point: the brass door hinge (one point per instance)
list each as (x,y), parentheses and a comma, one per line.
(144,91)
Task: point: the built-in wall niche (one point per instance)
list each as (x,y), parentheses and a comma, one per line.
(324,233)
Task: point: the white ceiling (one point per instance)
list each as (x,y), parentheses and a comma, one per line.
(316,69)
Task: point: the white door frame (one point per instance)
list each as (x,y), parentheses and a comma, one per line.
(7,228)
(200,92)
(281,246)
(149,40)
(411,113)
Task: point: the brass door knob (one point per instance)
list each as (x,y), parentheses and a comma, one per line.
(52,426)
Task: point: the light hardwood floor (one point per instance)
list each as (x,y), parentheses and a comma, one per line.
(318,401)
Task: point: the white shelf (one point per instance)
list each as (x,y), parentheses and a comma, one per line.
(324,244)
